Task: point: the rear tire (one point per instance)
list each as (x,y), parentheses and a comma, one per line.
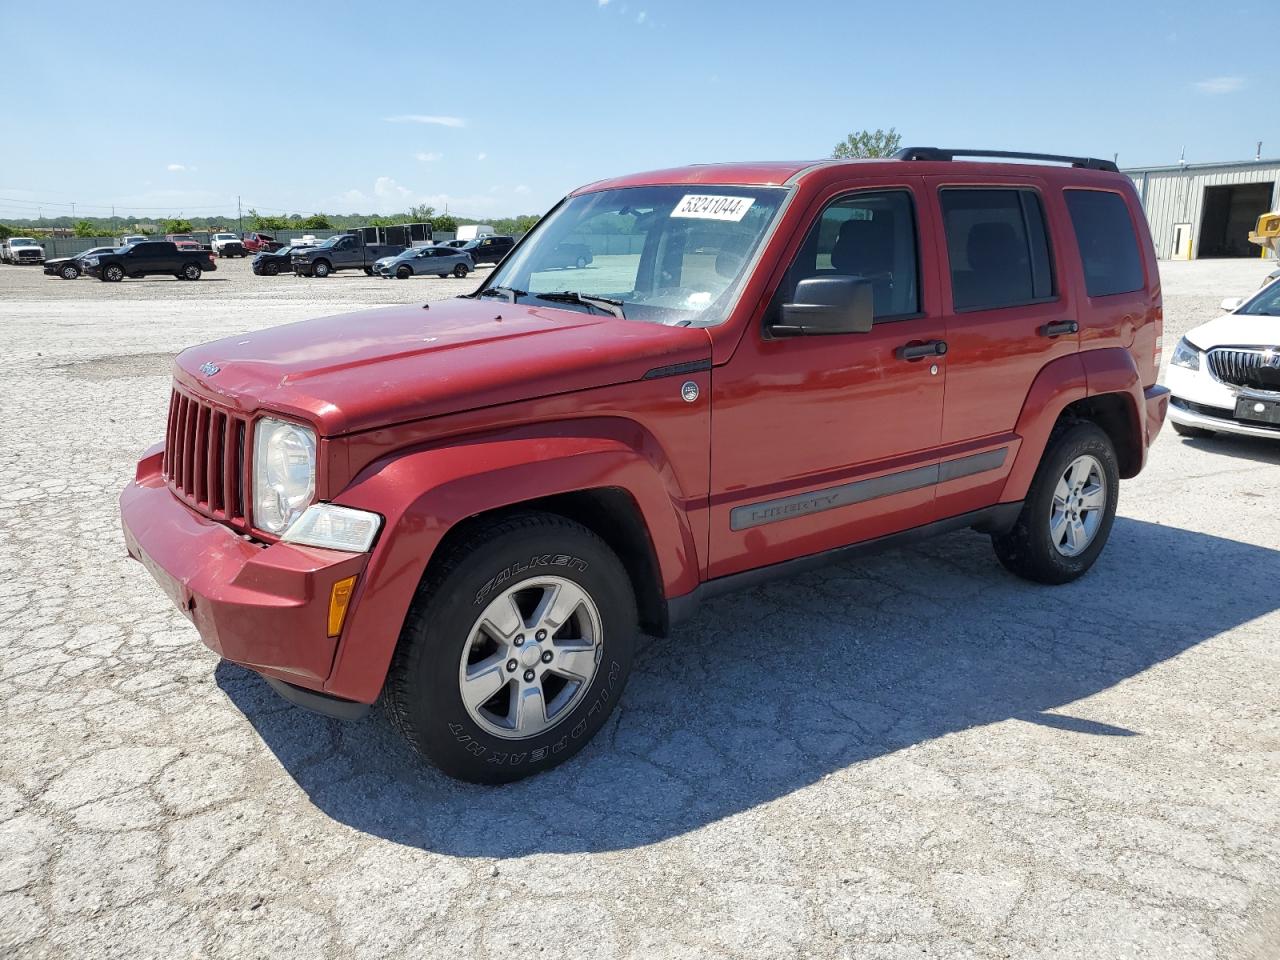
(460,271)
(521,564)
(1069,510)
(1191,433)
(368,271)
(191,271)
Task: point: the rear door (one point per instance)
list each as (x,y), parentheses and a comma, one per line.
(1008,312)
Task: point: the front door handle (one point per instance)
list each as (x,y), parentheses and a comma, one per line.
(1058,328)
(918,351)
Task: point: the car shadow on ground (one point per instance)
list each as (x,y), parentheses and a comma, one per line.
(767,691)
(1256,449)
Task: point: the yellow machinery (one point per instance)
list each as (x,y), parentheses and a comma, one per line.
(1267,234)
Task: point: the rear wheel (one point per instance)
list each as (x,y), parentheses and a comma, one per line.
(581,262)
(1069,510)
(191,271)
(460,271)
(368,271)
(113,273)
(515,650)
(1191,433)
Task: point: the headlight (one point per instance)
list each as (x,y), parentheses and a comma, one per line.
(335,527)
(91,261)
(284,473)
(1185,355)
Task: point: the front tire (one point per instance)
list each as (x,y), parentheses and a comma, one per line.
(1069,510)
(403,272)
(1191,433)
(321,268)
(516,649)
(271,269)
(69,272)
(113,274)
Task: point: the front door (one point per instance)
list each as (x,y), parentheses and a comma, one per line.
(821,441)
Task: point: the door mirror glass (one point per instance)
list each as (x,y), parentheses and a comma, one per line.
(827,305)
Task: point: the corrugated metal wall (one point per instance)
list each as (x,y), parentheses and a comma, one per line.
(1171,195)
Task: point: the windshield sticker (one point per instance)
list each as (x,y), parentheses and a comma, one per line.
(699,206)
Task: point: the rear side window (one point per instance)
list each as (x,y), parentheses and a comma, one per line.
(1108,245)
(997,247)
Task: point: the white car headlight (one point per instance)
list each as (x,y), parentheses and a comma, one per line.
(335,527)
(284,473)
(1185,355)
(91,261)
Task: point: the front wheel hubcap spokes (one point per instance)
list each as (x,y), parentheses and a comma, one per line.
(530,657)
(1079,500)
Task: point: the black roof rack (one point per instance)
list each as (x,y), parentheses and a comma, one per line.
(938,153)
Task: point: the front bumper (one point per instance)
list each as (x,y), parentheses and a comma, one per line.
(1201,401)
(1224,422)
(259,605)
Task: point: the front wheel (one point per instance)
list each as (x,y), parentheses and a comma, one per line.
(69,272)
(113,274)
(191,271)
(403,272)
(515,650)
(321,268)
(1069,510)
(271,269)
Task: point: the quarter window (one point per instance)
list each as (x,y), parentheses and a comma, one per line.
(1108,245)
(997,247)
(871,236)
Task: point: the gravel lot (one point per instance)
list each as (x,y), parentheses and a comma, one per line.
(909,756)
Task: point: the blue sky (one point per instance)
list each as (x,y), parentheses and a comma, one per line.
(500,107)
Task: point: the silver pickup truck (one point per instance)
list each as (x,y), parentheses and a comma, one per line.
(346,251)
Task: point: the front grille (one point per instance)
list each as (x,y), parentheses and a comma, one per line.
(204,458)
(1256,369)
(28,255)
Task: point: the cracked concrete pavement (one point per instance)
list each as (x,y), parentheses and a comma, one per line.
(913,755)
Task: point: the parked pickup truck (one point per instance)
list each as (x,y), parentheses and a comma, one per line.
(470,512)
(346,251)
(149,258)
(228,245)
(18,250)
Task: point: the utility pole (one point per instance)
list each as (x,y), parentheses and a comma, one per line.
(240,215)
(73,209)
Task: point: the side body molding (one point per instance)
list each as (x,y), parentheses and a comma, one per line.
(423,494)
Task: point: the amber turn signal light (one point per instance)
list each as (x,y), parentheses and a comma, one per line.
(339,600)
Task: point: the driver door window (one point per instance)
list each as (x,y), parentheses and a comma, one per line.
(871,236)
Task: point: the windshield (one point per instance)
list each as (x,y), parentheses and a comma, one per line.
(225,236)
(333,240)
(663,254)
(1266,303)
(175,237)
(25,241)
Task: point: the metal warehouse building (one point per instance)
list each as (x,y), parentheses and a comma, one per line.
(1207,209)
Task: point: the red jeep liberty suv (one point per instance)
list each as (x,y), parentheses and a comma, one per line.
(470,508)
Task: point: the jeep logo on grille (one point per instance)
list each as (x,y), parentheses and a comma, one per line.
(209,368)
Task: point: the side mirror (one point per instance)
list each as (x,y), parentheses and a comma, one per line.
(1231,304)
(827,305)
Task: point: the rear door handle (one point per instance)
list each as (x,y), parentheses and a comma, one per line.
(918,351)
(1059,327)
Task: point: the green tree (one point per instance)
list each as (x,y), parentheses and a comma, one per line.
(421,213)
(86,229)
(317,221)
(443,223)
(868,143)
(6,231)
(175,225)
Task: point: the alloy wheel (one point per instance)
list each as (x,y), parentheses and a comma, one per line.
(1078,506)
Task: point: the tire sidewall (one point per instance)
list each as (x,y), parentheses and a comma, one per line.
(453,740)
(1076,441)
(191,272)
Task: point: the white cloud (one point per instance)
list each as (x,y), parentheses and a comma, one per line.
(1220,84)
(481,155)
(603,3)
(178,168)
(386,187)
(427,157)
(426,118)
(641,17)
(522,188)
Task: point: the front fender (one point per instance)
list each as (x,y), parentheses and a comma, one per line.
(425,493)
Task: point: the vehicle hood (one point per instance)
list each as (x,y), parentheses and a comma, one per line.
(1236,330)
(375,368)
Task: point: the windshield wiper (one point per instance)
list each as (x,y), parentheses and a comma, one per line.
(607,304)
(511,293)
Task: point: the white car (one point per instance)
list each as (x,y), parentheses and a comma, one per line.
(1224,376)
